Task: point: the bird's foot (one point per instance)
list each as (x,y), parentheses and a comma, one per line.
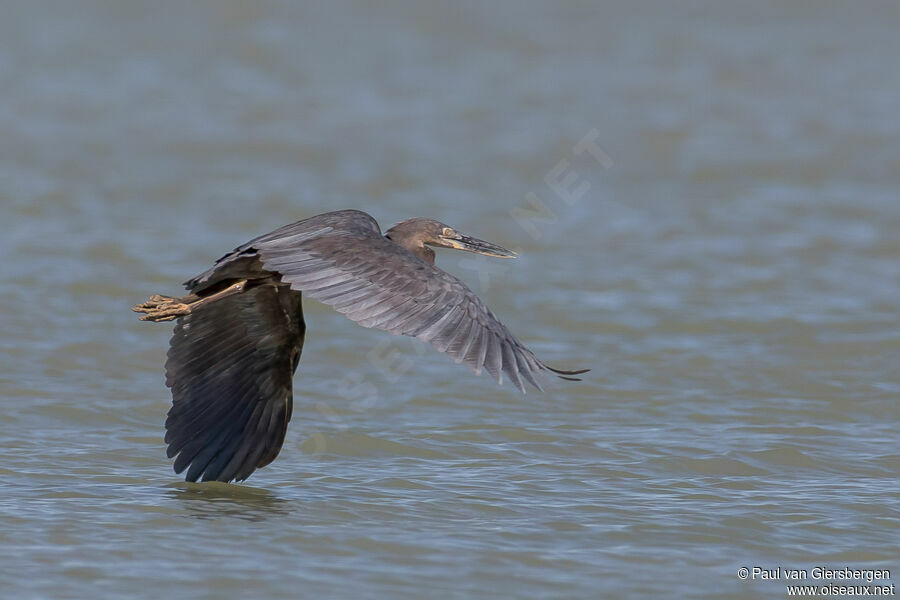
(162,308)
(166,308)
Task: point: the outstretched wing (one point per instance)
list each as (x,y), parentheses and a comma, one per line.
(230,366)
(342,259)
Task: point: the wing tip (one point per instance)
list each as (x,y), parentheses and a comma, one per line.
(566,374)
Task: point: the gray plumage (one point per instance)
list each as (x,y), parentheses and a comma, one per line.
(240,331)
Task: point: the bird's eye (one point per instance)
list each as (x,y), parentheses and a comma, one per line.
(447,232)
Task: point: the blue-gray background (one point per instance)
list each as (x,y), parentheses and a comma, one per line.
(729,270)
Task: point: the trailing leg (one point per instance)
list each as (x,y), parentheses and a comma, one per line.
(166,308)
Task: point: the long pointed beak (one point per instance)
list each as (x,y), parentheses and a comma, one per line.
(470,244)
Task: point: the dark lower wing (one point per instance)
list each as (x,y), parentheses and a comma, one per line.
(230,366)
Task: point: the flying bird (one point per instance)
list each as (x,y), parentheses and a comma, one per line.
(240,329)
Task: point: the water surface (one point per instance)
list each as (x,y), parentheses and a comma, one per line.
(727,266)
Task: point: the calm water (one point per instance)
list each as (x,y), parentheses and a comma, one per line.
(724,256)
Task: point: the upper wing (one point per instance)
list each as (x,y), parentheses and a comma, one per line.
(341,259)
(243,261)
(230,366)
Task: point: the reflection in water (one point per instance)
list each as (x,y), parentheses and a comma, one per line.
(212,500)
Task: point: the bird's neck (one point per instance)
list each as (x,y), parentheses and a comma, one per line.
(425,253)
(416,247)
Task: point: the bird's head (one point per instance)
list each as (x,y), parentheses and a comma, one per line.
(414,234)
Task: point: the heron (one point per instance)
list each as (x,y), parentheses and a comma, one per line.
(240,329)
